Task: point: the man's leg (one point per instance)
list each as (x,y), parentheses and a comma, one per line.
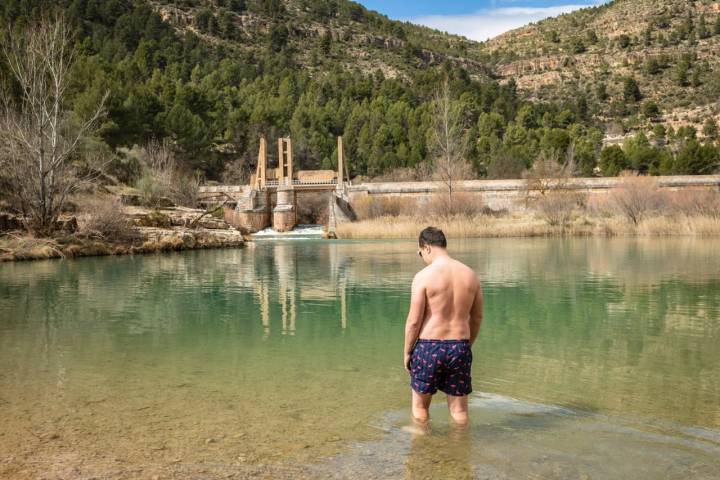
(458,407)
(420,406)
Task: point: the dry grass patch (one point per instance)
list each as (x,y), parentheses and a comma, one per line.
(704,203)
(371,207)
(530,225)
(15,247)
(457,226)
(102,217)
(462,204)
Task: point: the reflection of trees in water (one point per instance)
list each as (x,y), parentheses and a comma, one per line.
(627,261)
(626,357)
(627,318)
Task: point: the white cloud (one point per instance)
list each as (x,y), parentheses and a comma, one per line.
(489,23)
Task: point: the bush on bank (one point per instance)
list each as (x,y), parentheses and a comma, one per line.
(637,206)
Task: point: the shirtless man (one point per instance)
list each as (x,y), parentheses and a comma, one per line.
(446,309)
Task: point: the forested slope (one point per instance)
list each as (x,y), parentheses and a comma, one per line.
(212,76)
(638,63)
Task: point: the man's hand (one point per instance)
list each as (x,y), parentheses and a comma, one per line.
(406,361)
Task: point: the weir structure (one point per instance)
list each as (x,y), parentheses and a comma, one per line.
(271,199)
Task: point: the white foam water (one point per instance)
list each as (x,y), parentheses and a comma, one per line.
(299,232)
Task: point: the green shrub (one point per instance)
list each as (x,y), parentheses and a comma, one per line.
(155,219)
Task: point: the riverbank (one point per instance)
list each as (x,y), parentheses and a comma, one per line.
(529,225)
(146,231)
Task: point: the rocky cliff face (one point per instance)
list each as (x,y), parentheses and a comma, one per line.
(670,47)
(364,39)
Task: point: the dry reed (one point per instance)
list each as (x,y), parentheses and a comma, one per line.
(530,225)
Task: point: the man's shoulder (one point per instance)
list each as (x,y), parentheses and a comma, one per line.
(462,266)
(424,276)
(422,273)
(467,271)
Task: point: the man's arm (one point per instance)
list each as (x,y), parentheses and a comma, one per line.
(476,314)
(414,319)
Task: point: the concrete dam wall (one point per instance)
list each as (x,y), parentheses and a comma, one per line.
(510,195)
(513,194)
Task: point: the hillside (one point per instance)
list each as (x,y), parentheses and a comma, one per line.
(321,33)
(214,75)
(670,48)
(211,76)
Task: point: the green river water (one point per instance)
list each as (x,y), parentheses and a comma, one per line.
(597,358)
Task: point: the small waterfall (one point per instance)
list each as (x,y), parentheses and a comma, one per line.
(299,232)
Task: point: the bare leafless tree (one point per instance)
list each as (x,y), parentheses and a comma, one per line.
(549,173)
(557,206)
(39,138)
(164,179)
(448,148)
(161,161)
(636,196)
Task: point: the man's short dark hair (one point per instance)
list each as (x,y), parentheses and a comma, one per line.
(432,236)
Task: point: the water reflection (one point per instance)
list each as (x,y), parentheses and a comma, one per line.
(180,346)
(281,282)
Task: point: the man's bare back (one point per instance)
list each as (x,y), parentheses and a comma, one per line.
(446,308)
(451,290)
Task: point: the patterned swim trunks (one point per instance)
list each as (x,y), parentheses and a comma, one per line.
(441,365)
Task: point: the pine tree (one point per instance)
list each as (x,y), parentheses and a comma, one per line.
(695,79)
(651,110)
(647,36)
(624,41)
(631,90)
(601,92)
(325,43)
(652,66)
(681,73)
(702,29)
(710,129)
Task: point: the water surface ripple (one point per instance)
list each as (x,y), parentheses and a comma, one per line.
(598,358)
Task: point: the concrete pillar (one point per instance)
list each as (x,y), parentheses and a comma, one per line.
(253,212)
(332,220)
(260,171)
(289,160)
(281,161)
(284,213)
(341,163)
(252,221)
(285,161)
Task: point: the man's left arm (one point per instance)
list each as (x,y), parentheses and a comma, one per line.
(414,319)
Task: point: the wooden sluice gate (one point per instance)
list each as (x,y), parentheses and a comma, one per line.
(272,195)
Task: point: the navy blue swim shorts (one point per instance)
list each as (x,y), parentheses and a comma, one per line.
(441,365)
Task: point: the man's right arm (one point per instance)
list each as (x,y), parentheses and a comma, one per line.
(415,318)
(476,314)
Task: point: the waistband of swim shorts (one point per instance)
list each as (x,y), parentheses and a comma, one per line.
(427,340)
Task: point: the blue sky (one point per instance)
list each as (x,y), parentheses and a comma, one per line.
(478,19)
